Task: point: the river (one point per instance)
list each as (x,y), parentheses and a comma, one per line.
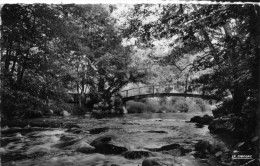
(38,147)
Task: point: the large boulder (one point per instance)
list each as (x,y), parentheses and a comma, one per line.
(195,119)
(100,140)
(202,146)
(205,120)
(232,126)
(108,148)
(104,146)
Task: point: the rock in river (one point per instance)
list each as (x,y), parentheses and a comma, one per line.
(175,152)
(104,139)
(98,130)
(234,126)
(205,120)
(137,154)
(157,131)
(84,147)
(103,146)
(165,148)
(67,138)
(204,148)
(74,130)
(73,143)
(171,149)
(65,113)
(107,148)
(66,143)
(150,162)
(2,151)
(71,125)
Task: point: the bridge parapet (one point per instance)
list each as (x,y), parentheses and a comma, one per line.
(168,88)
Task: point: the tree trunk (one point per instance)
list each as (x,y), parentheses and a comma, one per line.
(7,59)
(239,99)
(186,86)
(239,96)
(79,96)
(22,68)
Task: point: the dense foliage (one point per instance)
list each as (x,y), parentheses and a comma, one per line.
(224,39)
(168,105)
(49,50)
(31,66)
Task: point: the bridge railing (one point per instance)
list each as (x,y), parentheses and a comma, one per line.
(168,88)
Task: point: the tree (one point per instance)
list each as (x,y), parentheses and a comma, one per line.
(51,49)
(225,35)
(31,63)
(101,64)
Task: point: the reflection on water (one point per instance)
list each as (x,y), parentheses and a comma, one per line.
(133,131)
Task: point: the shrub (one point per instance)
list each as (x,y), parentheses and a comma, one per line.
(167,104)
(181,105)
(136,107)
(202,105)
(151,108)
(223,109)
(163,100)
(166,108)
(152,104)
(193,107)
(173,100)
(20,104)
(143,100)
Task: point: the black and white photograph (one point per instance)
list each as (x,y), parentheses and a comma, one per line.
(130,83)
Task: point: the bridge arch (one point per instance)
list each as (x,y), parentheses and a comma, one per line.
(192,90)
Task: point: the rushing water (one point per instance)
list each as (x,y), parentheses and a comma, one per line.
(133,131)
